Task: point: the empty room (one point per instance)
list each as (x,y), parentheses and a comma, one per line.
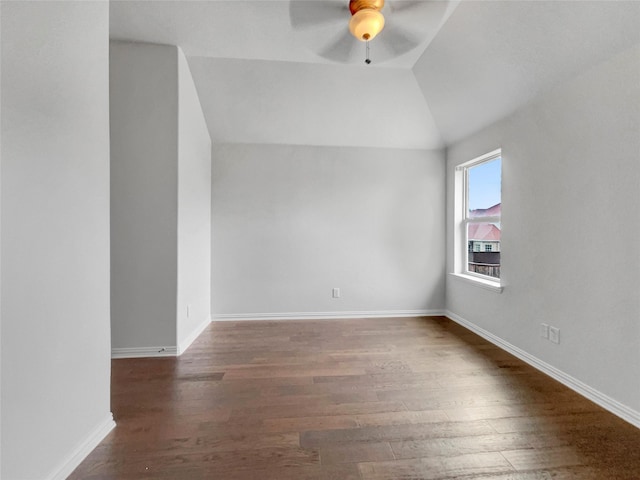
(319,240)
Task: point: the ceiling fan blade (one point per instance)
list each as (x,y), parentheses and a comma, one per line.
(407,5)
(341,49)
(399,40)
(423,16)
(314,13)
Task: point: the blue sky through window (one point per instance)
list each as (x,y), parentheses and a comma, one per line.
(484,184)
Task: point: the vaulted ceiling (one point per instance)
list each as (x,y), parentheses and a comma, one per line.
(262,81)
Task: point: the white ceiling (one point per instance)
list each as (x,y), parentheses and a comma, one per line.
(492,57)
(256,101)
(262,81)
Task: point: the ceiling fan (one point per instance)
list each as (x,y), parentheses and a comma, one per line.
(395,25)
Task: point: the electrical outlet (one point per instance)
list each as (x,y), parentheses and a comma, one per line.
(188,311)
(554,334)
(335,293)
(544,330)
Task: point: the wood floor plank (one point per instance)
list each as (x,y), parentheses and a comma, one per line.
(289,411)
(203,443)
(211,472)
(435,447)
(355,453)
(519,410)
(401,418)
(462,399)
(300,424)
(553,423)
(528,459)
(358,399)
(435,467)
(570,473)
(392,433)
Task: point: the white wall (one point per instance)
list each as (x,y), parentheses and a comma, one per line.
(571,230)
(0,242)
(160,203)
(292,222)
(55,235)
(254,101)
(194,210)
(144,194)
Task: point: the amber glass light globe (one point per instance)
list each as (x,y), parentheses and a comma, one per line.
(365,24)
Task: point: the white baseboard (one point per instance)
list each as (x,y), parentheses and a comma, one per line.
(227,317)
(84,448)
(142,352)
(184,344)
(138,352)
(606,402)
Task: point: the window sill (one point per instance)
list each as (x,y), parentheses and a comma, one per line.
(479,282)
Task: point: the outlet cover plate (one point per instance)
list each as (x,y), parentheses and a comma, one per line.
(544,330)
(554,334)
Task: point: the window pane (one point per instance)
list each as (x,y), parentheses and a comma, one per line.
(484,189)
(484,248)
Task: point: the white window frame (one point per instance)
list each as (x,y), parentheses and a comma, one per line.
(463,220)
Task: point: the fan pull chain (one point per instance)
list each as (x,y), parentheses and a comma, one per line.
(367,60)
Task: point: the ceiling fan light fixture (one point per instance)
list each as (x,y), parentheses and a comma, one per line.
(366,23)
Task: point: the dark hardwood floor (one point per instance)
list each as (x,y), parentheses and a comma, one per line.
(370,399)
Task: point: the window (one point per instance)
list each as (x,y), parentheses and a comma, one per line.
(478,184)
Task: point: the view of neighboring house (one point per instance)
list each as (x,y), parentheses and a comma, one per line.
(484,243)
